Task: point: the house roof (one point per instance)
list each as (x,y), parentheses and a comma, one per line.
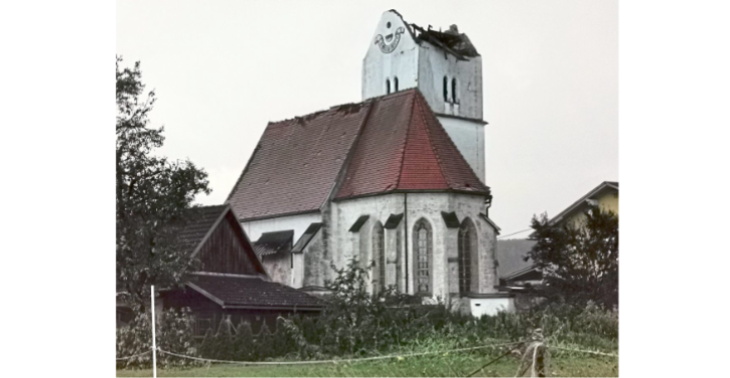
(273,242)
(403,147)
(603,187)
(231,291)
(200,221)
(510,256)
(384,144)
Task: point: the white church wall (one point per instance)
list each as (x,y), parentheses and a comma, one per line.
(428,206)
(380,63)
(298,223)
(468,136)
(359,244)
(471,206)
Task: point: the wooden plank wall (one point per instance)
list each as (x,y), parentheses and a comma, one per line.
(226,250)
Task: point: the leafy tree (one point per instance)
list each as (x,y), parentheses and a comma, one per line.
(152,195)
(579,261)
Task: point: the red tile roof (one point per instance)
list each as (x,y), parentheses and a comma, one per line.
(296,163)
(401,147)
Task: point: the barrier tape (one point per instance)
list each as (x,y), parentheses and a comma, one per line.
(585,351)
(133,356)
(347,360)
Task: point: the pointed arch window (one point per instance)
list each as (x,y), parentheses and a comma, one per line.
(395,84)
(446,89)
(378,257)
(423,261)
(387,86)
(453,90)
(467,249)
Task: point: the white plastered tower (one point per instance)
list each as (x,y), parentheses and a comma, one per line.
(446,69)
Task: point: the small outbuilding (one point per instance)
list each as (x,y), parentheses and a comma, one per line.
(231,282)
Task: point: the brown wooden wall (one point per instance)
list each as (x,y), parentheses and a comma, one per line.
(208,314)
(226,250)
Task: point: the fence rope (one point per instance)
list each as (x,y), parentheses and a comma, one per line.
(133,356)
(584,351)
(333,361)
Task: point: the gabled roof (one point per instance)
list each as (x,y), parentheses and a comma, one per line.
(510,256)
(230,291)
(296,163)
(403,147)
(384,144)
(606,186)
(200,222)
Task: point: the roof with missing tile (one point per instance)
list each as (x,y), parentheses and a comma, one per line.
(385,144)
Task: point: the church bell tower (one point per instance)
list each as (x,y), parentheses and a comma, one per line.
(444,66)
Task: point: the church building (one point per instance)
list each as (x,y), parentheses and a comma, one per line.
(396,181)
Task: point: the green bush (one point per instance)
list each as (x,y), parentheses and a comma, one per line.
(174,332)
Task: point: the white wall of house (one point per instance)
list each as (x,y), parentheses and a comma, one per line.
(298,223)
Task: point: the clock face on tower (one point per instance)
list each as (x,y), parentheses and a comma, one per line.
(389,42)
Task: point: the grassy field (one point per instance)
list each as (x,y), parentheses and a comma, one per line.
(455,365)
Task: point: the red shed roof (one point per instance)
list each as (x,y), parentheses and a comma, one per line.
(385,144)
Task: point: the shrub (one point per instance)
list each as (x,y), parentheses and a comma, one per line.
(244,343)
(173,333)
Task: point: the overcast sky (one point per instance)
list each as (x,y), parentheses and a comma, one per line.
(223,69)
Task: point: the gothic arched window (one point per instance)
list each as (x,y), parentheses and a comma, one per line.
(378,257)
(423,262)
(446,89)
(467,249)
(387,86)
(395,84)
(453,90)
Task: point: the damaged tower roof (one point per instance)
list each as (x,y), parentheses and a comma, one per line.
(451,41)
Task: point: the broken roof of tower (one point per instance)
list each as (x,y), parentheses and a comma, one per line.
(451,41)
(386,144)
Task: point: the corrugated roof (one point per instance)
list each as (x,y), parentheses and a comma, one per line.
(240,291)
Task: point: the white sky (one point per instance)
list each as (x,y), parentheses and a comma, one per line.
(223,69)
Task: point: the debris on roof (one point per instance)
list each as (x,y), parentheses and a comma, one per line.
(458,44)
